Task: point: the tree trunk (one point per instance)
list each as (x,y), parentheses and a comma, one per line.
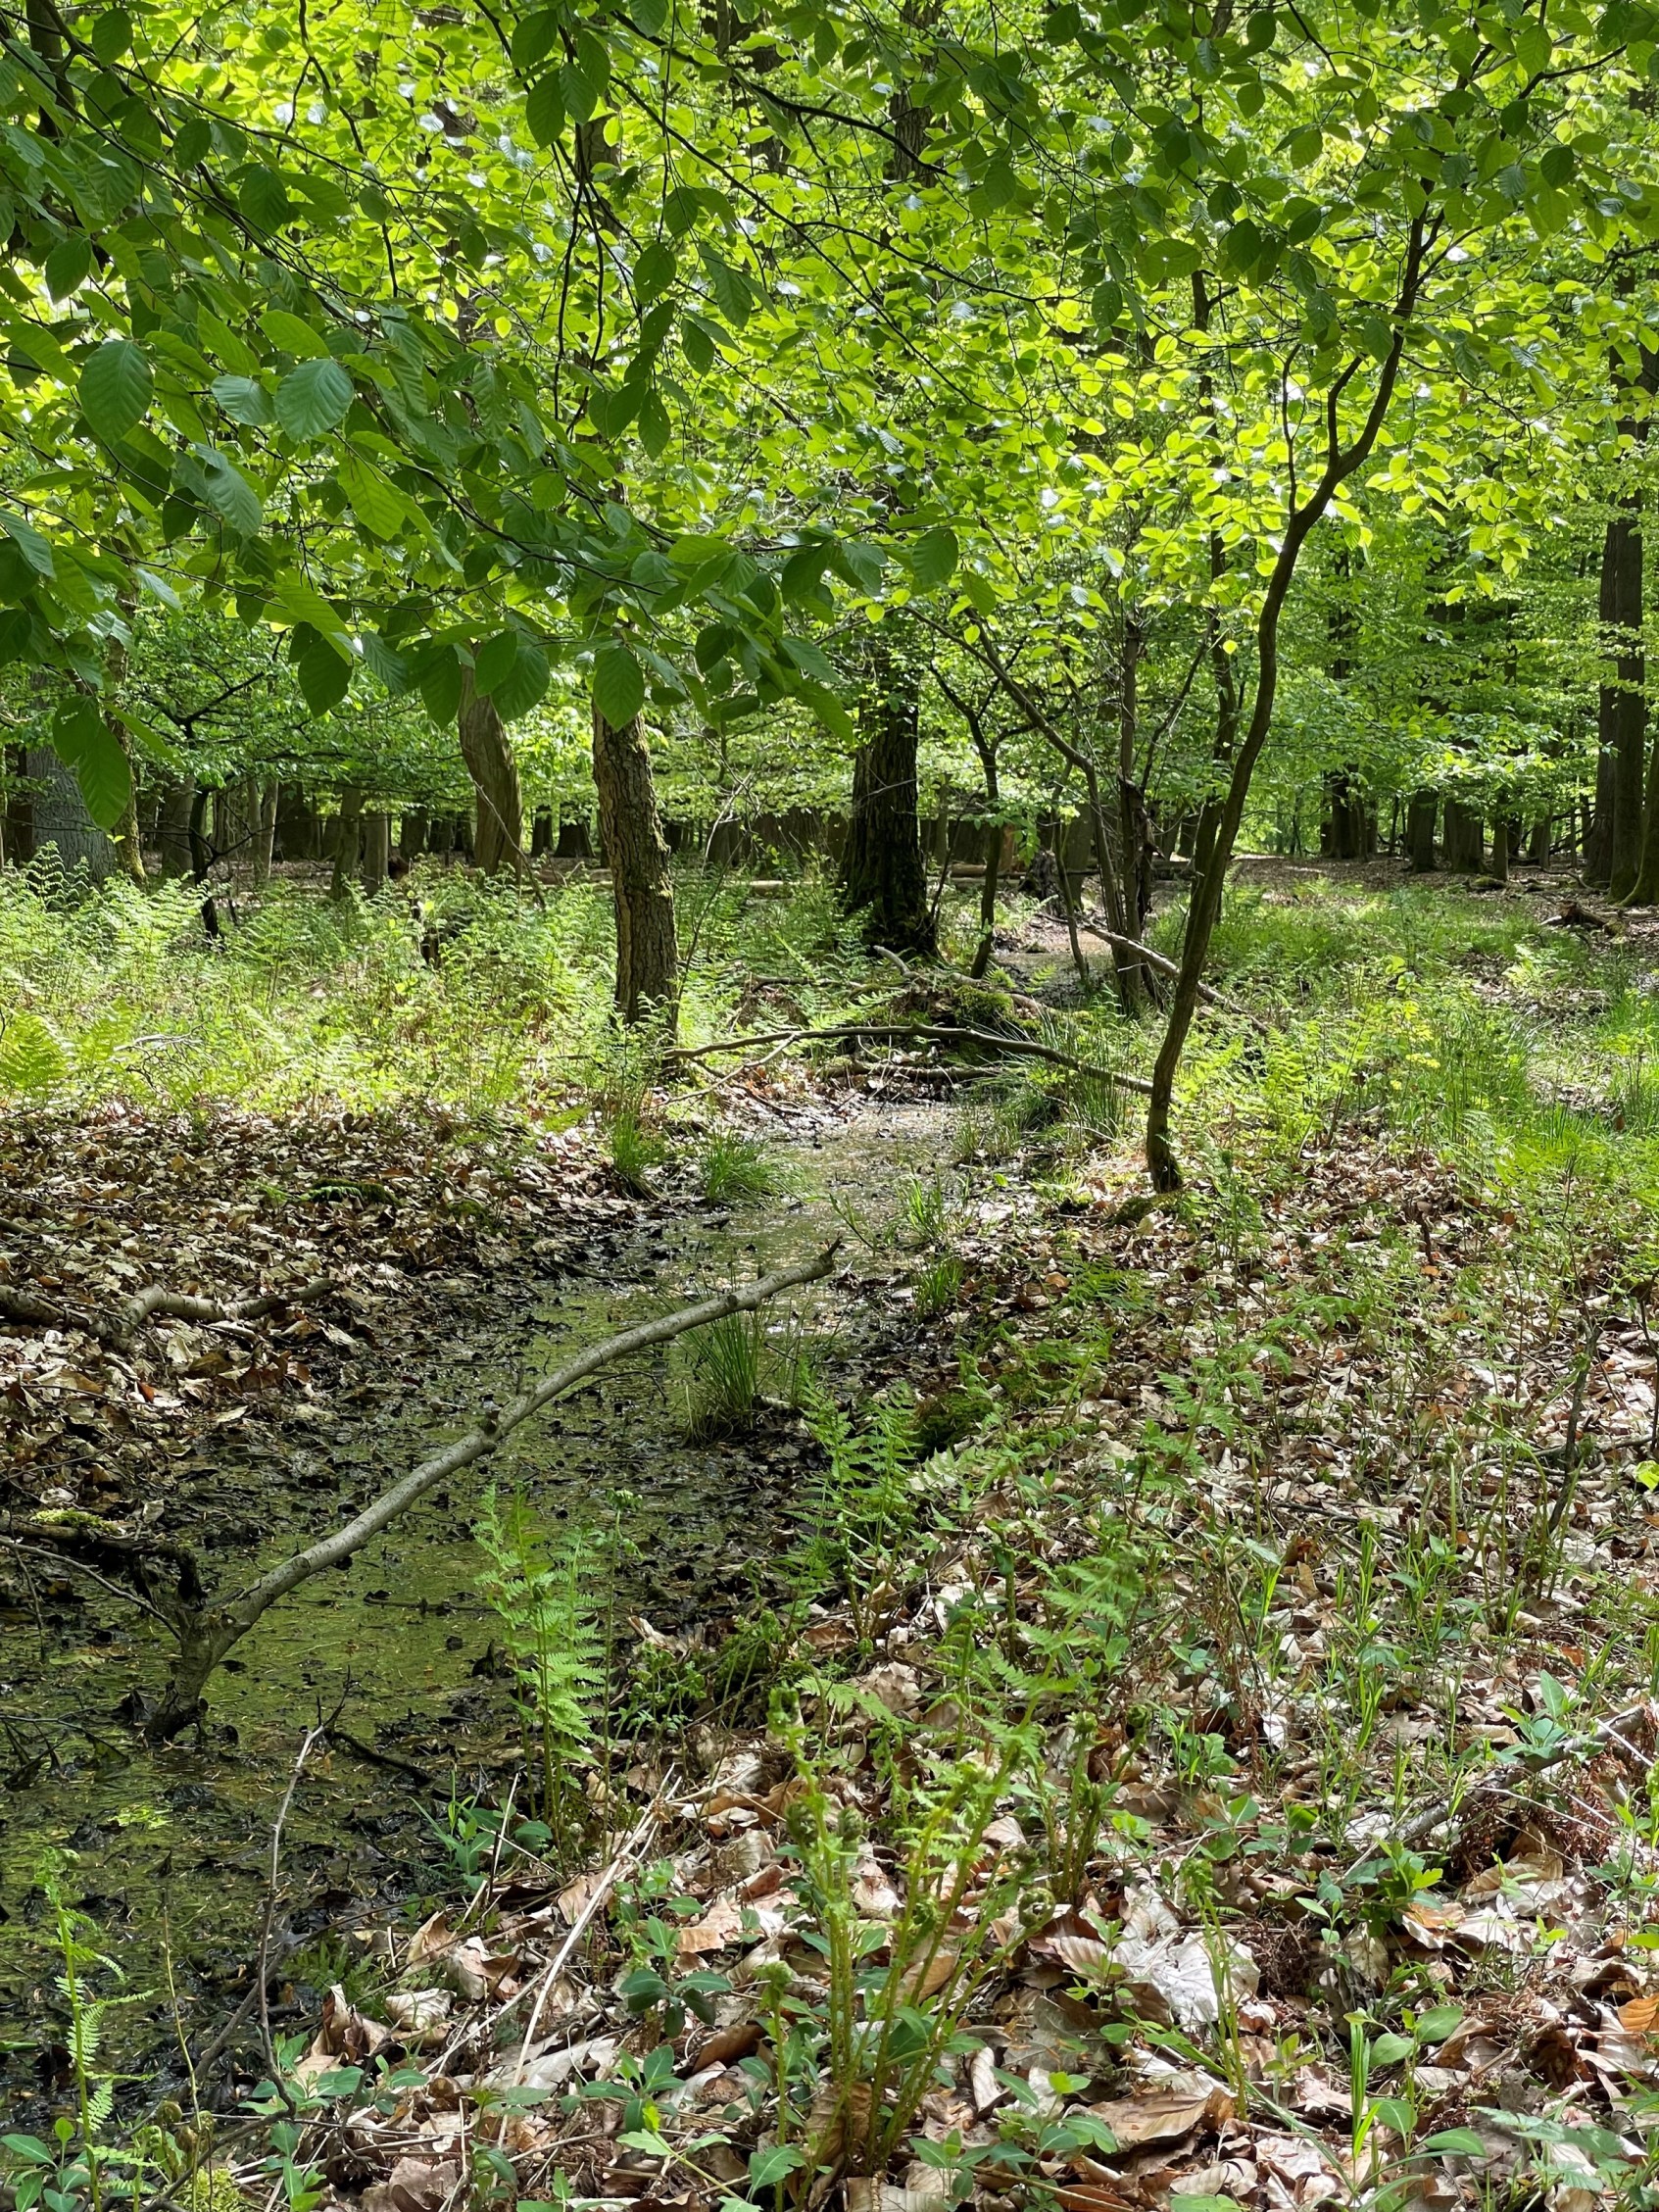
(1464,850)
(1348,827)
(495,781)
(20,808)
(264,832)
(175,829)
(541,834)
(1497,865)
(642,890)
(413,829)
(1622,706)
(1420,816)
(61,819)
(882,872)
(347,830)
(1599,821)
(376,851)
(1537,845)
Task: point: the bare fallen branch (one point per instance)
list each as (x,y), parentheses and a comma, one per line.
(1165,966)
(207,1634)
(39,1313)
(895,1032)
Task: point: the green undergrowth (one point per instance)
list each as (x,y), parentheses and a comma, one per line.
(446,987)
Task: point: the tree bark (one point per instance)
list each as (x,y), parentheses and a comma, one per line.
(883,874)
(413,829)
(494,772)
(376,851)
(263,824)
(1537,845)
(347,828)
(1497,863)
(1622,704)
(1420,818)
(20,808)
(1464,850)
(642,890)
(173,837)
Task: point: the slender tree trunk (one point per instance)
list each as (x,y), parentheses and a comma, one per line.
(1420,831)
(882,869)
(1204,911)
(642,890)
(1497,865)
(174,831)
(347,830)
(413,829)
(264,831)
(1537,845)
(499,842)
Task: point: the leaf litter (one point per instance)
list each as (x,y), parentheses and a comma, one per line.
(1255,1643)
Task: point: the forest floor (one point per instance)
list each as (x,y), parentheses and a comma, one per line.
(1181,1726)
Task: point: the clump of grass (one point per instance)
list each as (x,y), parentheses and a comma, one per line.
(635,1149)
(731,1166)
(937,1286)
(724,1386)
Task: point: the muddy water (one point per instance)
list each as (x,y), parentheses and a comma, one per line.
(169,1846)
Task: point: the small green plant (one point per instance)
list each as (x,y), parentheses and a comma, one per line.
(724,1367)
(635,1149)
(937,1286)
(536,1584)
(731,1166)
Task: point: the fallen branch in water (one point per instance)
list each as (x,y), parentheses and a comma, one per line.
(46,1314)
(893,1032)
(1145,954)
(206,1634)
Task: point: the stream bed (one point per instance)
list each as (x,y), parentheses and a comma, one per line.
(166,1849)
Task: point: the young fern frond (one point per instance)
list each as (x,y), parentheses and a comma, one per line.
(534,1584)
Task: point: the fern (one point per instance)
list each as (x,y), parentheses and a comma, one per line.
(534,1585)
(33,1062)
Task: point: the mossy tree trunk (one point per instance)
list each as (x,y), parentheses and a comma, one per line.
(499,838)
(882,872)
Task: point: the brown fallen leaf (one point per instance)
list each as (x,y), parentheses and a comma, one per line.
(1163,2118)
(1638,2017)
(414,2184)
(721,1927)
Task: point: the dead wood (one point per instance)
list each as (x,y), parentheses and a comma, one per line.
(206,1634)
(892,1032)
(118,1334)
(1165,966)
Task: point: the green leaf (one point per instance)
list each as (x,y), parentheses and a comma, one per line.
(526,683)
(112,35)
(290,333)
(377,505)
(83,739)
(934,558)
(544,109)
(69,265)
(116,387)
(618,684)
(1463,2142)
(229,492)
(244,399)
(324,678)
(313,399)
(493,661)
(440,685)
(1439,2022)
(1388,2050)
(656,269)
(535,36)
(36,549)
(263,198)
(192,142)
(219,338)
(772,2163)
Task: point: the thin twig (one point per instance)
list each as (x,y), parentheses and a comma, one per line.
(262,1970)
(605,1883)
